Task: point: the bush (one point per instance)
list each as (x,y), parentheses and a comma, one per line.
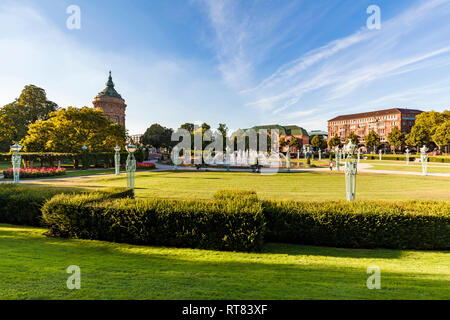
(224,224)
(145,166)
(360,224)
(21,205)
(308,160)
(235,195)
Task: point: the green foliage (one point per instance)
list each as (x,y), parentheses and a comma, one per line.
(353,137)
(396,138)
(157,136)
(235,194)
(319,142)
(21,205)
(441,135)
(361,224)
(226,224)
(418,136)
(335,141)
(372,140)
(32,105)
(67,130)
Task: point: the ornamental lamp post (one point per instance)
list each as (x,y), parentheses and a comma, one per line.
(379,154)
(338,158)
(424,160)
(131,165)
(85,157)
(320,154)
(407,157)
(350,169)
(304,151)
(16,160)
(117,160)
(359,155)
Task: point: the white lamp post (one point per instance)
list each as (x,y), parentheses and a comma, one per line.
(16,160)
(350,170)
(117,160)
(131,165)
(424,159)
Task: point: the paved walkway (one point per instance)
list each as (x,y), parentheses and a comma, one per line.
(365,167)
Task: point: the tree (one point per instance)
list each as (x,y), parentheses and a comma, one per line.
(396,138)
(334,142)
(32,105)
(296,143)
(188,126)
(429,122)
(353,137)
(372,140)
(157,136)
(442,134)
(67,130)
(418,136)
(223,130)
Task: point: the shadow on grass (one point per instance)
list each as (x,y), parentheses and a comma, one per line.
(120,271)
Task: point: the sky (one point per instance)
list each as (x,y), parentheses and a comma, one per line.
(238,62)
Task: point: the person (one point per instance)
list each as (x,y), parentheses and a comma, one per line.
(331,165)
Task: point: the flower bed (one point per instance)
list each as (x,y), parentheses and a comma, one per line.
(35,172)
(145,166)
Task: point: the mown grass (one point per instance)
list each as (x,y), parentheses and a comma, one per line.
(318,185)
(34,267)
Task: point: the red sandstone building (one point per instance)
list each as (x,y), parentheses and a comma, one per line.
(382,122)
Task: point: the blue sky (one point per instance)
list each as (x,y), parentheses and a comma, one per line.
(243,63)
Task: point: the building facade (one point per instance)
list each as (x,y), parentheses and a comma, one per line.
(382,122)
(111,103)
(287,133)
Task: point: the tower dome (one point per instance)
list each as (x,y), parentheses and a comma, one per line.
(111,103)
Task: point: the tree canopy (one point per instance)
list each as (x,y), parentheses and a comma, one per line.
(157,136)
(396,138)
(335,141)
(372,140)
(15,117)
(67,130)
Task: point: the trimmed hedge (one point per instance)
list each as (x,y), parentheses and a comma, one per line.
(360,224)
(21,204)
(224,224)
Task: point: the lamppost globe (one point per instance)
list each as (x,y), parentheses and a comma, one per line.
(131,148)
(84,148)
(117,149)
(16,147)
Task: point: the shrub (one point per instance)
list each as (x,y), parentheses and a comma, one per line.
(360,224)
(235,195)
(21,205)
(34,172)
(308,160)
(225,224)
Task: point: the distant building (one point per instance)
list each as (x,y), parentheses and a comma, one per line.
(111,103)
(382,122)
(288,133)
(136,137)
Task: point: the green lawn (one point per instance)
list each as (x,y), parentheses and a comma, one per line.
(298,186)
(411,168)
(34,267)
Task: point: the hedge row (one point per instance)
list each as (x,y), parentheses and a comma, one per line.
(21,204)
(225,224)
(360,224)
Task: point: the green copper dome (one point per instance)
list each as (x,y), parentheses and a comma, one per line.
(109,91)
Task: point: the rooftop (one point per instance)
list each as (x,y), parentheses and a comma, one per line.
(375,113)
(294,130)
(109,91)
